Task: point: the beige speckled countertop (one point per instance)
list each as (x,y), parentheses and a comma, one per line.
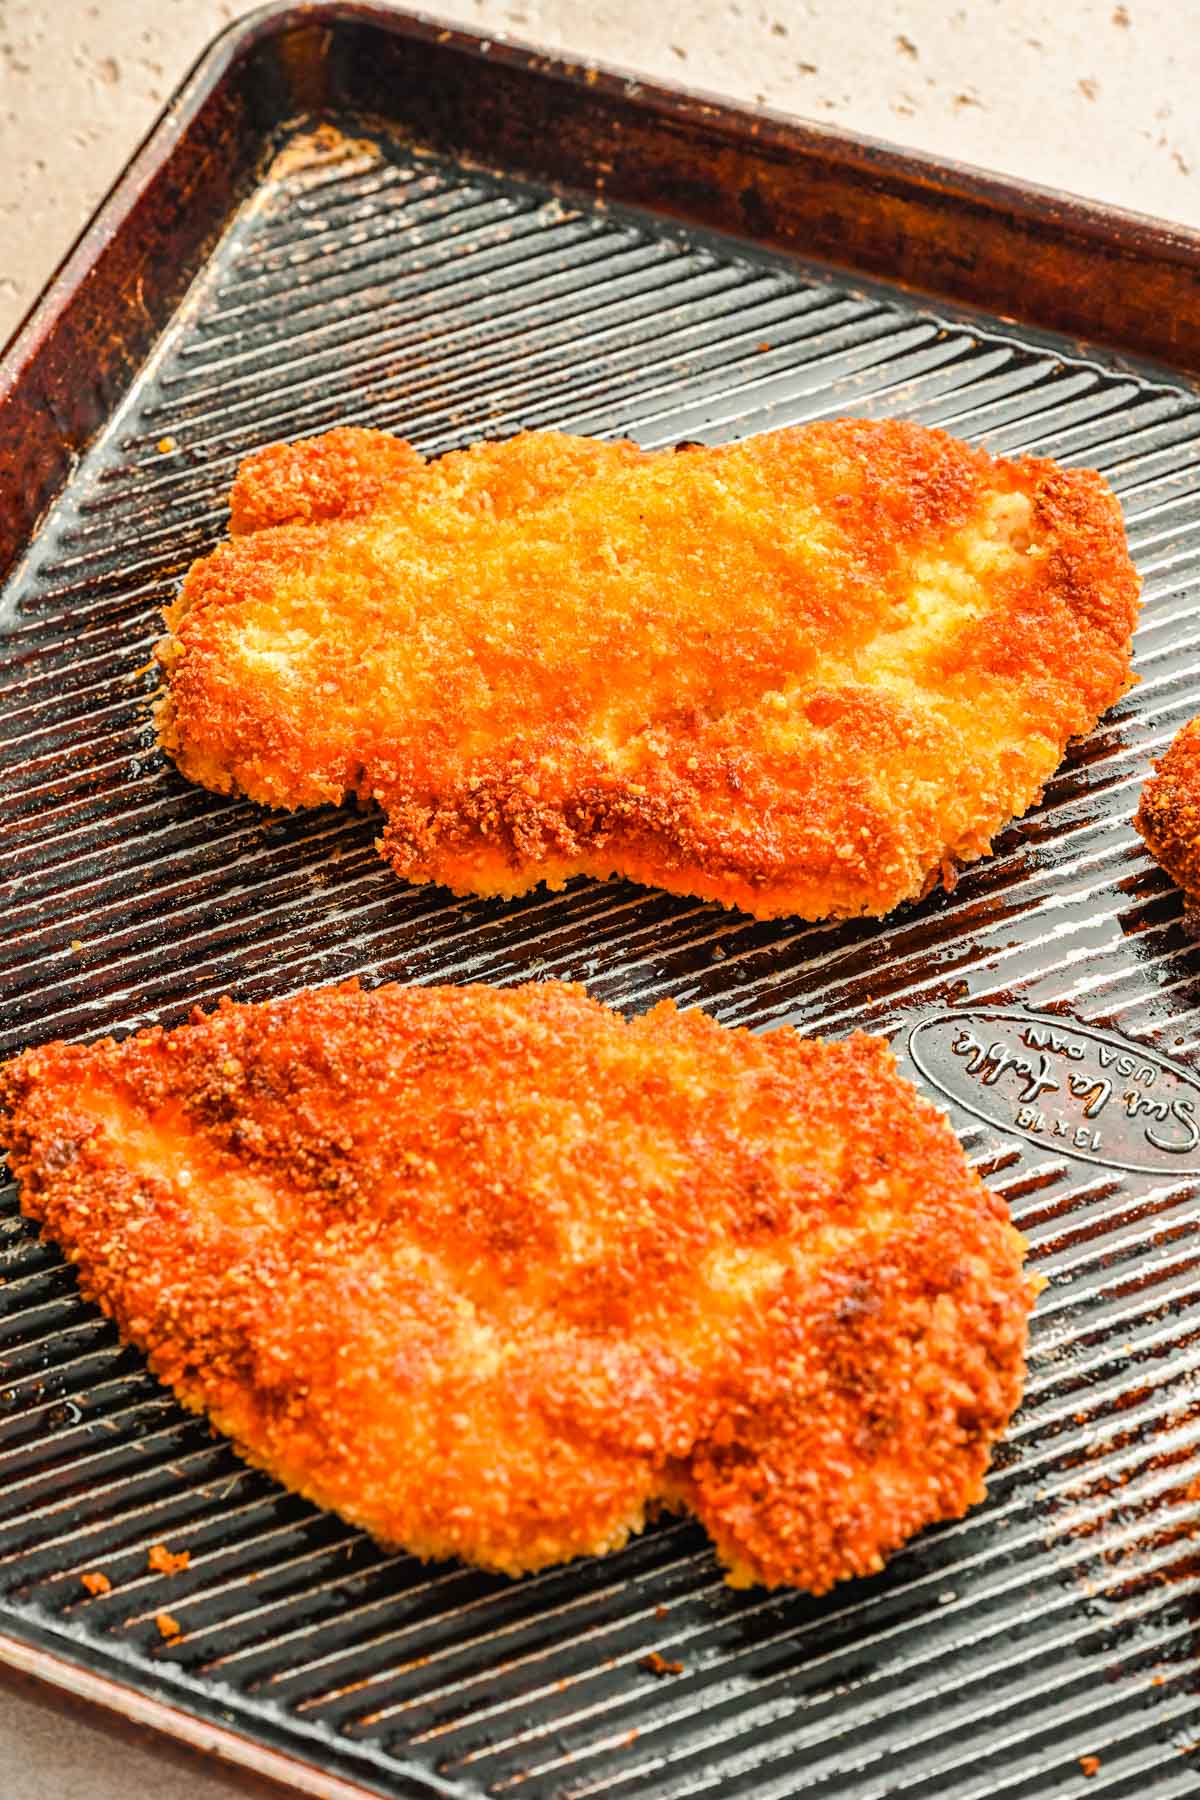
(1087,95)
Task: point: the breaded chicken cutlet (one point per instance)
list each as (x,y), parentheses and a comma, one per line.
(1168,815)
(494,1274)
(805,674)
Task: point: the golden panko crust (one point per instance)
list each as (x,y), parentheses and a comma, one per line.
(1168,815)
(495,1274)
(808,673)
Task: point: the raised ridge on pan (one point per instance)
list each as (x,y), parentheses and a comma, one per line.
(1056,1621)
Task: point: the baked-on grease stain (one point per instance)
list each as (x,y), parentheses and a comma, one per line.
(1089,1093)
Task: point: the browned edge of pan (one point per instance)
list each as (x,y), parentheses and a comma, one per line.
(1052,261)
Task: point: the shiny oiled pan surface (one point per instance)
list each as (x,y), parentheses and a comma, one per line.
(1050,1002)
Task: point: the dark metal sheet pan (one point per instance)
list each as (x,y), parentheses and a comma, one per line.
(353,214)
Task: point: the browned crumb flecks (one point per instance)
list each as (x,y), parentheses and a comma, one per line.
(1169,814)
(162,1561)
(168,1627)
(497,1274)
(96,1582)
(661,1665)
(806,673)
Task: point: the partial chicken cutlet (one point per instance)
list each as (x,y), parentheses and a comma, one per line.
(810,673)
(496,1274)
(1168,815)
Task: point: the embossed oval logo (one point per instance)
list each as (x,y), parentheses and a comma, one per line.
(1065,1087)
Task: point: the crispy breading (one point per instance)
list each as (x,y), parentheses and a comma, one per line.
(1168,815)
(495,1274)
(808,673)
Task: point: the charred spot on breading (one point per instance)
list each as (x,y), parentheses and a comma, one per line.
(803,674)
(498,1274)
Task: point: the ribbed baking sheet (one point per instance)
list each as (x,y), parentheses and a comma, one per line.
(368,282)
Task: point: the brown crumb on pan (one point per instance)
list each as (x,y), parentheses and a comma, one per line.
(661,1665)
(166,445)
(1121,17)
(1090,1765)
(168,1627)
(166,1562)
(96,1582)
